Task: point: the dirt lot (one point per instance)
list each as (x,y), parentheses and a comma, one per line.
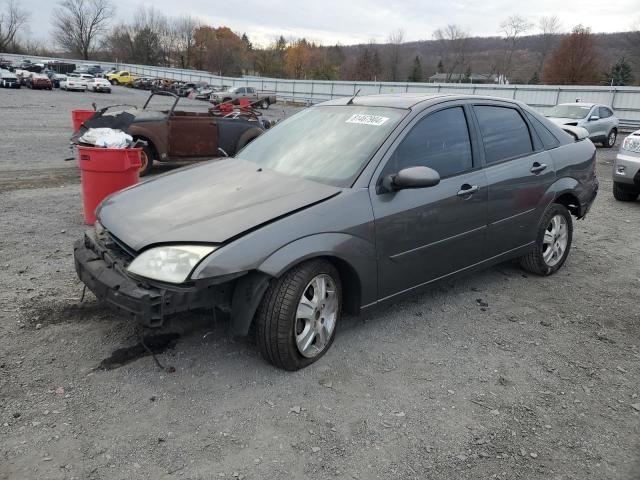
(499,375)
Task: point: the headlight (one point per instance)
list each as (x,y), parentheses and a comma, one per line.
(171,264)
(632,143)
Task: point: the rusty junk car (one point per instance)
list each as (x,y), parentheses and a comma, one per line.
(173,134)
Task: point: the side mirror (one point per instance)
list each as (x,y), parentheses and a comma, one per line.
(593,118)
(413,177)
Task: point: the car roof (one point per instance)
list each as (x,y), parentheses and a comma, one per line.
(409,100)
(579,104)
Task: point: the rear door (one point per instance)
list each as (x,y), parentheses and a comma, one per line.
(425,234)
(519,171)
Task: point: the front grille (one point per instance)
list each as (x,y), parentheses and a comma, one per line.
(112,250)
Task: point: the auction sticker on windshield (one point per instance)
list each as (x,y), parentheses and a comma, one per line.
(364,119)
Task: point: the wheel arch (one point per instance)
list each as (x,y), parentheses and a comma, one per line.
(563,191)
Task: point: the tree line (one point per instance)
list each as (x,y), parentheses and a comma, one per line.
(523,52)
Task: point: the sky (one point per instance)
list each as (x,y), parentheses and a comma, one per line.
(361,21)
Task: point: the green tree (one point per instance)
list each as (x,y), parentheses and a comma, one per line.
(416,70)
(467,75)
(620,73)
(535,79)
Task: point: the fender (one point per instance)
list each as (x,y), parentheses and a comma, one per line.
(354,257)
(160,145)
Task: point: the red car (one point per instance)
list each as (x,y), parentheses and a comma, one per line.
(39,81)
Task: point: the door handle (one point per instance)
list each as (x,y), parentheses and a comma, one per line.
(466,190)
(538,167)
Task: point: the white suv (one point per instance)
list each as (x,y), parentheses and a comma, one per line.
(626,169)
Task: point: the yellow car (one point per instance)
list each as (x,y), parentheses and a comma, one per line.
(121,78)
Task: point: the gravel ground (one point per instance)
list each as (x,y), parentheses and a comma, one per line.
(498,375)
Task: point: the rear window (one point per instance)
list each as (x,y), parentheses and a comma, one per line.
(547,138)
(504,133)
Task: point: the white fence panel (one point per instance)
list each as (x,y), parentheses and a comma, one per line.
(624,100)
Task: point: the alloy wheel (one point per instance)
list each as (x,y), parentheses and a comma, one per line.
(554,242)
(316,316)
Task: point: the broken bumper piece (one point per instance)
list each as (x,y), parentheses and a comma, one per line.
(103,272)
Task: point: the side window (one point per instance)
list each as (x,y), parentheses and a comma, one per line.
(439,141)
(241,91)
(605,112)
(124,74)
(250,90)
(504,133)
(548,139)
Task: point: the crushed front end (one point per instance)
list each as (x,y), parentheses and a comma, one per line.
(101,263)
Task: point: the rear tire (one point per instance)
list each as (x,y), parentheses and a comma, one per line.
(552,244)
(283,326)
(611,139)
(624,193)
(264,105)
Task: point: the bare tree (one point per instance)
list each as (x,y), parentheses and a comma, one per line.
(512,28)
(183,29)
(77,24)
(12,19)
(453,41)
(549,27)
(396,38)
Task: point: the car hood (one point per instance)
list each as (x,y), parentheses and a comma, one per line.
(207,203)
(564,121)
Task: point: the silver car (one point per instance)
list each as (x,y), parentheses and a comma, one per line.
(626,169)
(598,120)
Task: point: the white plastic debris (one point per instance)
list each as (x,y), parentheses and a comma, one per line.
(106,137)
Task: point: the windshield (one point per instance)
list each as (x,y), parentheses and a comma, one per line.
(329,144)
(575,112)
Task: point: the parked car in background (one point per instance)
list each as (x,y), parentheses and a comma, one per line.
(235,94)
(120,78)
(8,79)
(344,207)
(56,78)
(626,169)
(74,82)
(598,120)
(99,85)
(173,134)
(144,83)
(39,81)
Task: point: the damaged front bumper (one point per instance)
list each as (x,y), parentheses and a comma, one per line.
(102,268)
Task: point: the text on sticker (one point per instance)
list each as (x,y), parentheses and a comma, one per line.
(363,119)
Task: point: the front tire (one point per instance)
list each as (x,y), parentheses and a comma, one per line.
(624,193)
(146,157)
(552,244)
(297,318)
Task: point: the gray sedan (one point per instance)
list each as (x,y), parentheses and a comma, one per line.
(344,207)
(598,120)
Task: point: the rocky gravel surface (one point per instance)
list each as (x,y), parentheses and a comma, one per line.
(498,375)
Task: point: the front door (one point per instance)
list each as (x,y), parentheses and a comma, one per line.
(194,135)
(425,234)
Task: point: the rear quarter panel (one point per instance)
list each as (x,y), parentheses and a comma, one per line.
(575,170)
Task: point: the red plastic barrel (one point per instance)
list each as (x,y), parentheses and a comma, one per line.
(78,117)
(105,171)
(244,104)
